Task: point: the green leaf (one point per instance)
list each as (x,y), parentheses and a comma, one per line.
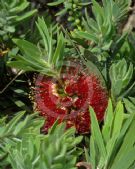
(20,65)
(87,155)
(59,53)
(10,29)
(120,76)
(46,36)
(108,121)
(62,12)
(87,36)
(24,16)
(84,3)
(93,68)
(93,153)
(29,49)
(130,104)
(126,150)
(96,133)
(55,3)
(98,12)
(126,161)
(20,7)
(118,119)
(19,103)
(11,125)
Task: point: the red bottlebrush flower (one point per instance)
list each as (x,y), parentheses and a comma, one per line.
(68,98)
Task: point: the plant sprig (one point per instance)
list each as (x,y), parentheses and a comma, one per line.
(11,15)
(22,145)
(102,30)
(114,144)
(47,60)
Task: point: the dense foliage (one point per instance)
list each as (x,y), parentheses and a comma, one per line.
(41,39)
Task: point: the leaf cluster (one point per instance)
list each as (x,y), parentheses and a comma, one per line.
(47,59)
(113,146)
(102,29)
(120,75)
(23,146)
(12,13)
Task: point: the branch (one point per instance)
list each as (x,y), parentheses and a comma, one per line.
(18,74)
(131,21)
